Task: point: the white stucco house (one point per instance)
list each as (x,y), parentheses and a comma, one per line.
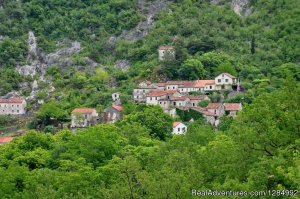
(12,106)
(179,128)
(225,81)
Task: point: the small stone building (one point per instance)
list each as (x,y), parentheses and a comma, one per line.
(166,52)
(112,114)
(12,106)
(84,117)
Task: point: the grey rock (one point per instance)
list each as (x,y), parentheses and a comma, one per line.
(122,64)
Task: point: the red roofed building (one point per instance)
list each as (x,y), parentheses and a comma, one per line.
(12,106)
(225,81)
(4,140)
(112,114)
(231,109)
(179,128)
(84,117)
(154,96)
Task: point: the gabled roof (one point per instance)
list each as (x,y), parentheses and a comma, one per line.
(166,48)
(203,111)
(232,106)
(179,83)
(84,110)
(160,84)
(203,83)
(5,139)
(12,100)
(118,108)
(159,93)
(176,124)
(213,105)
(229,75)
(197,97)
(180,98)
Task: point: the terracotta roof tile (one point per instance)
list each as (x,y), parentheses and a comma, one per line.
(203,83)
(158,93)
(197,97)
(5,139)
(180,98)
(83,110)
(119,108)
(12,100)
(232,106)
(176,124)
(213,105)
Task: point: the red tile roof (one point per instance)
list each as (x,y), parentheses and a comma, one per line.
(5,139)
(12,100)
(158,93)
(213,105)
(232,106)
(160,84)
(204,111)
(176,124)
(166,48)
(119,108)
(197,97)
(203,83)
(180,98)
(179,82)
(83,110)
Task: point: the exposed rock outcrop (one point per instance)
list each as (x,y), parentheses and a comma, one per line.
(240,7)
(148,10)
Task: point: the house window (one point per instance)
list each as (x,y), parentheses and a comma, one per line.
(210,87)
(215,111)
(222,75)
(178,129)
(159,102)
(18,106)
(164,102)
(179,103)
(143,91)
(183,129)
(219,80)
(173,87)
(226,80)
(85,116)
(12,105)
(156,98)
(12,111)
(17,111)
(174,103)
(151,98)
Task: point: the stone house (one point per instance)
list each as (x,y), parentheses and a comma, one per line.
(12,106)
(225,81)
(84,117)
(181,101)
(195,99)
(231,109)
(153,97)
(216,108)
(179,128)
(112,114)
(166,51)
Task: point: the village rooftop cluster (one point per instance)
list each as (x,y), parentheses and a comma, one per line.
(169,95)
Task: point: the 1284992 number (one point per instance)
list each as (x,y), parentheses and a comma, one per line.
(283,192)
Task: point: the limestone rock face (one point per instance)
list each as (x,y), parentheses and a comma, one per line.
(240,7)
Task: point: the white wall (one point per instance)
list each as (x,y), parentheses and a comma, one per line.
(180,129)
(223,79)
(12,108)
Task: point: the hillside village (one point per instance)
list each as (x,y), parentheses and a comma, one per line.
(171,96)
